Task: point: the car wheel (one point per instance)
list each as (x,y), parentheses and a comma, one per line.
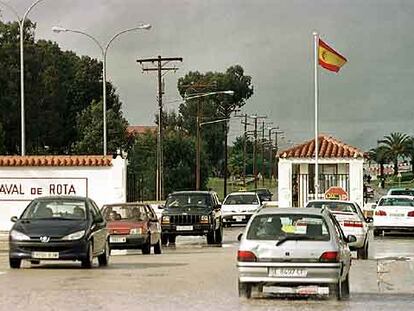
(362,253)
(171,239)
(87,262)
(376,232)
(219,235)
(103,259)
(245,290)
(146,248)
(334,291)
(15,263)
(345,288)
(210,237)
(164,239)
(157,247)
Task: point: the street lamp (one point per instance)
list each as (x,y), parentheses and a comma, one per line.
(198,144)
(104,50)
(21,21)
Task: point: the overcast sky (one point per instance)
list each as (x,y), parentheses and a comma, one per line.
(272,39)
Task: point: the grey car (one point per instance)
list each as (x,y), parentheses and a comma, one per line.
(294,251)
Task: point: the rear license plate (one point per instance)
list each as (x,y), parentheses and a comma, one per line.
(396,215)
(184,228)
(287,272)
(117,239)
(239,218)
(45,255)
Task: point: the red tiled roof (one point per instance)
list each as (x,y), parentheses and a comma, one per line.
(329,147)
(141,129)
(56,160)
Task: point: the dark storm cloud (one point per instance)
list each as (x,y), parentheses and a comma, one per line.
(272,40)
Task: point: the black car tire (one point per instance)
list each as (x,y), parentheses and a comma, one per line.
(171,239)
(164,239)
(219,235)
(362,253)
(210,237)
(146,248)
(15,263)
(245,290)
(88,260)
(340,290)
(157,247)
(103,259)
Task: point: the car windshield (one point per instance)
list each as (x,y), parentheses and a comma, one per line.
(288,227)
(396,202)
(238,199)
(55,209)
(334,206)
(402,192)
(188,199)
(125,213)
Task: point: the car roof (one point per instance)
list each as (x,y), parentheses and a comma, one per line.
(400,189)
(63,197)
(242,193)
(397,196)
(290,210)
(126,204)
(336,201)
(192,192)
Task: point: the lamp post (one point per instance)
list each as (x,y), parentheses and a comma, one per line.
(104,50)
(21,21)
(198,120)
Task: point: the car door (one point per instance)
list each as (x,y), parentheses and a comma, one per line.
(153,225)
(99,230)
(345,253)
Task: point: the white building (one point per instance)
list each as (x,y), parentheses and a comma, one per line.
(22,179)
(339,165)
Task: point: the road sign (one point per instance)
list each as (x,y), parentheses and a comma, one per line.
(336,193)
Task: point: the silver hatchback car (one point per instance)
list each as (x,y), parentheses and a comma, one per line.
(294,251)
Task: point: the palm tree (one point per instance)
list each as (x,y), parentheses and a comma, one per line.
(395,146)
(380,155)
(410,152)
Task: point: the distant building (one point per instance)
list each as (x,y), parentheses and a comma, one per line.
(340,165)
(134,130)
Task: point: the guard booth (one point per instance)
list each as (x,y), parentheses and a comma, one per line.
(340,166)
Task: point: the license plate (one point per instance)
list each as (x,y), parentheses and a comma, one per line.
(287,272)
(184,228)
(117,239)
(396,215)
(45,255)
(239,218)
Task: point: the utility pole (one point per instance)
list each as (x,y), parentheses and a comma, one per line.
(263,166)
(160,63)
(244,150)
(255,117)
(270,155)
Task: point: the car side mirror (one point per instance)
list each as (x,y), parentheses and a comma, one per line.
(14,219)
(351,238)
(217,207)
(369,219)
(98,219)
(161,206)
(239,236)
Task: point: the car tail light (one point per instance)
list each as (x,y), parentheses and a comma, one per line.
(246,256)
(329,257)
(354,224)
(380,213)
(410,214)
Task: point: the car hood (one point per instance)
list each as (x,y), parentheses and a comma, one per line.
(186,210)
(53,228)
(239,207)
(125,224)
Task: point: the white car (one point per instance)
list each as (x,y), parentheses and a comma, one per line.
(351,220)
(238,207)
(394,213)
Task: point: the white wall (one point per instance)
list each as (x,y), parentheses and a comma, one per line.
(285,183)
(19,185)
(356,181)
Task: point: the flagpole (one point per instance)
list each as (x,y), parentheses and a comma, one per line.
(316,58)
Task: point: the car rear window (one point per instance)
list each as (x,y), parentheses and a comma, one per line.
(334,206)
(396,202)
(280,226)
(402,192)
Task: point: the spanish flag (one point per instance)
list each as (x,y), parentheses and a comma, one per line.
(329,58)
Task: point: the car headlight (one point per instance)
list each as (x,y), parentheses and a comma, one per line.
(18,236)
(165,219)
(204,219)
(135,231)
(74,236)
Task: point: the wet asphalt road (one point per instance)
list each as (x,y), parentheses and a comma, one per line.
(193,276)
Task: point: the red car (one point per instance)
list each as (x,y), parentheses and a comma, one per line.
(133,226)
